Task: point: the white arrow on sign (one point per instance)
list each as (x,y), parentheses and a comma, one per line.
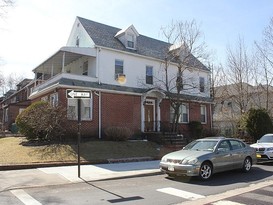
(79,94)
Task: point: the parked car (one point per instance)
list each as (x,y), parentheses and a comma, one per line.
(204,157)
(264,148)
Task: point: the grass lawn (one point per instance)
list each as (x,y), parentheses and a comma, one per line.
(16,150)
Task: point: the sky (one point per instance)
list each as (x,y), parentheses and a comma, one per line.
(33,30)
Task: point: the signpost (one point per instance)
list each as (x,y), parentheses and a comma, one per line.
(78,94)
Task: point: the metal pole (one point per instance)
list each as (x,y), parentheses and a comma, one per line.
(79,137)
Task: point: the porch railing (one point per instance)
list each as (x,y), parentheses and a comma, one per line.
(157,126)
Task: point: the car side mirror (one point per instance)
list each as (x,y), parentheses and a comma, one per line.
(220,150)
(258,141)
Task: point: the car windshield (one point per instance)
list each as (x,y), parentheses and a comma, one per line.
(207,145)
(266,138)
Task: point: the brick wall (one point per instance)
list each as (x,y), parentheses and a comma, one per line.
(121,110)
(125,110)
(116,110)
(194,115)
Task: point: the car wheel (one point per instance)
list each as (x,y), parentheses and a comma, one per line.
(205,171)
(247,165)
(171,175)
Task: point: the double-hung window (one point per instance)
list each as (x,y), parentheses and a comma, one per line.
(118,67)
(86,109)
(184,110)
(54,99)
(203,114)
(183,113)
(130,41)
(149,75)
(202,84)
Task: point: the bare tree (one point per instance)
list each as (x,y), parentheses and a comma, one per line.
(9,82)
(185,52)
(238,71)
(4,5)
(265,57)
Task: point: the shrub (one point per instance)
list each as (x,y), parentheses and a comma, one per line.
(117,133)
(42,122)
(258,123)
(196,129)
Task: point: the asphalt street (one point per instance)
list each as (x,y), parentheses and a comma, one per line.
(18,185)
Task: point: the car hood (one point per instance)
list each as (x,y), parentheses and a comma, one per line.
(182,154)
(262,144)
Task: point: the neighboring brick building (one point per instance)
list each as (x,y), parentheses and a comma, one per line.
(122,71)
(14,102)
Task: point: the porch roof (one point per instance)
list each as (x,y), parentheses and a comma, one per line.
(63,57)
(82,84)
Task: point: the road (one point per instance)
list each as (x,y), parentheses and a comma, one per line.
(146,189)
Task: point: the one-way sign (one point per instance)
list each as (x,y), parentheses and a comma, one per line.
(78,94)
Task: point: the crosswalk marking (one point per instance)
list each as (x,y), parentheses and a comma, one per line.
(259,197)
(181,193)
(25,197)
(225,202)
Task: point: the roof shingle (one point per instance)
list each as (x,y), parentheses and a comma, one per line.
(104,35)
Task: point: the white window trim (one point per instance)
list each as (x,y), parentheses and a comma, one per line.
(181,113)
(54,99)
(74,103)
(203,108)
(133,40)
(149,66)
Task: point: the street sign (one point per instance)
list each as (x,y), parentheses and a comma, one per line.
(78,94)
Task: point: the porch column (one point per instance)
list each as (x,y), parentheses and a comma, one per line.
(63,62)
(158,119)
(143,98)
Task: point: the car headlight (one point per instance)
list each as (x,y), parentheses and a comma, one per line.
(190,161)
(269,149)
(164,159)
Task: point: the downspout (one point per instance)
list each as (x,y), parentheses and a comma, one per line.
(211,118)
(97,65)
(143,98)
(98,93)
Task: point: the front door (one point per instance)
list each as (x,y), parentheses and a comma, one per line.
(149,110)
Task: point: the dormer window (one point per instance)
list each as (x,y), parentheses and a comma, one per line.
(128,37)
(130,41)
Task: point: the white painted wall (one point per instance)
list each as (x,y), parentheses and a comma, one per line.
(80,32)
(76,67)
(135,71)
(103,67)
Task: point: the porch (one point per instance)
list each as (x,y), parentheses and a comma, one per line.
(70,62)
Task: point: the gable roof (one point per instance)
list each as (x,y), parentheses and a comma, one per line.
(104,36)
(126,29)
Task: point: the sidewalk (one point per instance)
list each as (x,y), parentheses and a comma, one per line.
(104,171)
(16,179)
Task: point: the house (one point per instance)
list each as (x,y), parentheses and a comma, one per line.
(234,100)
(122,71)
(14,102)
